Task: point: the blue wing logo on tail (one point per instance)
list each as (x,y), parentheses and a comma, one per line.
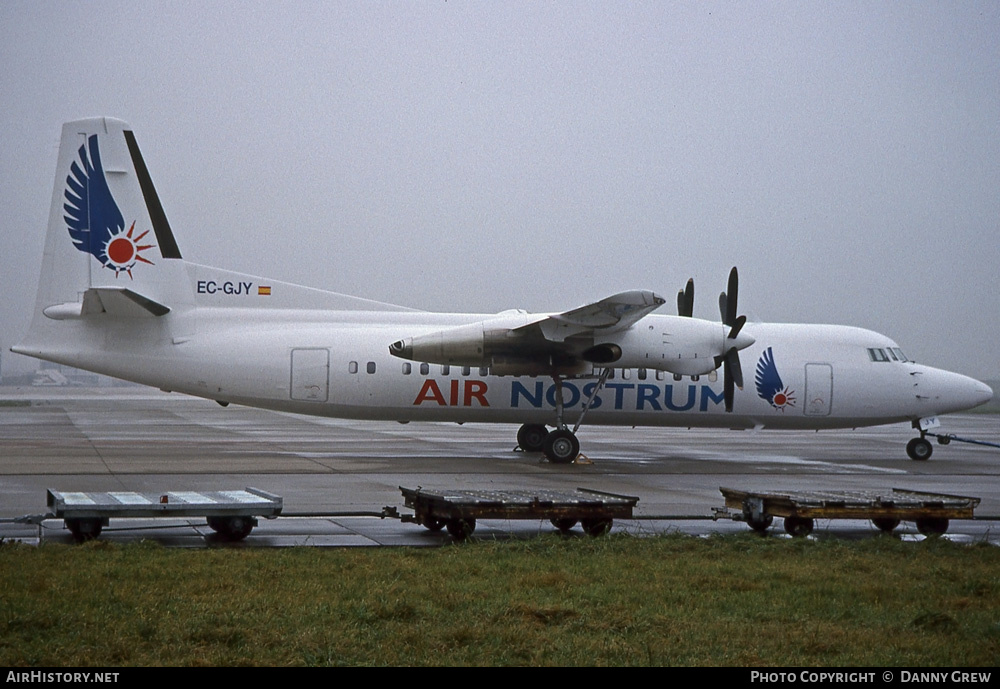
(93,219)
(769,385)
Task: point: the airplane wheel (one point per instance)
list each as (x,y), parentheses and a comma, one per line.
(460,529)
(597,526)
(798,527)
(564,524)
(531,437)
(231,528)
(561,446)
(885,524)
(932,526)
(760,525)
(84,529)
(919,449)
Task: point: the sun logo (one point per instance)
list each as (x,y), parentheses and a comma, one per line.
(769,385)
(122,251)
(785,398)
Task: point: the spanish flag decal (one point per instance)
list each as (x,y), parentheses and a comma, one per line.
(264,290)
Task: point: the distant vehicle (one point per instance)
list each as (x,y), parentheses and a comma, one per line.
(115,297)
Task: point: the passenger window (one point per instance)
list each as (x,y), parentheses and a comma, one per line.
(484,370)
(445,369)
(425,369)
(642,374)
(611,374)
(406,368)
(466,370)
(626,373)
(660,375)
(371,367)
(352,367)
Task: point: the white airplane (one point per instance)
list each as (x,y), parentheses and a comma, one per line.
(115,297)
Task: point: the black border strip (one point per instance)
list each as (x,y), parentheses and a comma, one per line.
(164,236)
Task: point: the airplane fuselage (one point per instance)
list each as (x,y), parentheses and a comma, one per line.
(337,364)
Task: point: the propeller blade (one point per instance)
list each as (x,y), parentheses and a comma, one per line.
(733,362)
(728,386)
(685,300)
(737,327)
(723,308)
(732,294)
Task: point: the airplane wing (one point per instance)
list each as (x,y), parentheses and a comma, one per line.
(520,343)
(613,314)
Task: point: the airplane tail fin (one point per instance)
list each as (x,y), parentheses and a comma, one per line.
(109,246)
(110,255)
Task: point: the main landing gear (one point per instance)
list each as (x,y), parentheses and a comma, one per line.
(560,446)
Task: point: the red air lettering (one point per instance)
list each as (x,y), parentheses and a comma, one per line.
(430,391)
(476,390)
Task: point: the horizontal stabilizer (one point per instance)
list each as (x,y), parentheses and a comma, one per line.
(113,301)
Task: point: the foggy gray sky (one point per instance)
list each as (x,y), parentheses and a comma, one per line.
(482,156)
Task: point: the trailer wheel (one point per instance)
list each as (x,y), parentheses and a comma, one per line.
(760,525)
(84,529)
(597,526)
(564,524)
(932,526)
(885,524)
(460,529)
(432,523)
(232,528)
(798,527)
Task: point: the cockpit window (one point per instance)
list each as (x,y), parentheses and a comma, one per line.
(886,354)
(877,354)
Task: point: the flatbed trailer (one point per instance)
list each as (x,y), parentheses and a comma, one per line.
(230,513)
(458,510)
(885,508)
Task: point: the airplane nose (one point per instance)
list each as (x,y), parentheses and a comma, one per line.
(983,393)
(954,392)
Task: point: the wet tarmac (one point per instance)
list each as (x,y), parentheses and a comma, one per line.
(133,439)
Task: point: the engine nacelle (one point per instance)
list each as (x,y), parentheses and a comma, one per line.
(461,346)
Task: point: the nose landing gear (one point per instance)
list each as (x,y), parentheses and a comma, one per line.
(919,449)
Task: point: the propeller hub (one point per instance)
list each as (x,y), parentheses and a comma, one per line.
(741,341)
